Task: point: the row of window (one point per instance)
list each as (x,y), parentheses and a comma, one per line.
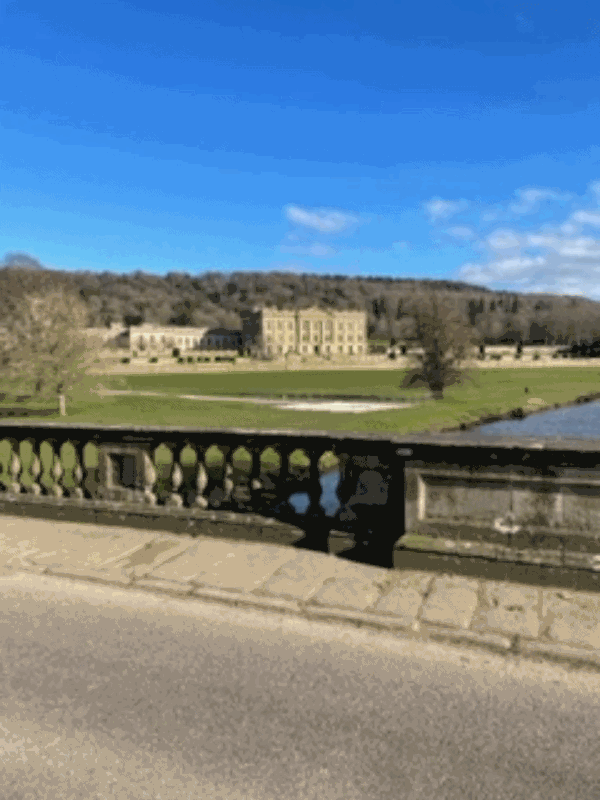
(183,341)
(327,349)
(306,325)
(349,337)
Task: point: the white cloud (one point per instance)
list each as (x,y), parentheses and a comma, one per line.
(587,218)
(462,232)
(503,240)
(399,246)
(529,200)
(439,209)
(324,220)
(568,228)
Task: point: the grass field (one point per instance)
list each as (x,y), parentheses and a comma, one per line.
(488,392)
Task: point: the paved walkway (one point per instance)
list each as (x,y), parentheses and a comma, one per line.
(505,617)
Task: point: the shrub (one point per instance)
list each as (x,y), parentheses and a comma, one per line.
(153,360)
(134,354)
(180,360)
(190,359)
(125,360)
(555,355)
(496,356)
(536,356)
(518,356)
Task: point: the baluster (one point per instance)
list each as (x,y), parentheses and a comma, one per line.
(10,477)
(200,499)
(343,490)
(174,500)
(268,489)
(228,482)
(314,488)
(34,470)
(255,481)
(315,524)
(148,480)
(57,470)
(88,477)
(188,471)
(284,479)
(78,472)
(240,495)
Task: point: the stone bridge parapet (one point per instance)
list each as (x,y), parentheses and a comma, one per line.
(531,501)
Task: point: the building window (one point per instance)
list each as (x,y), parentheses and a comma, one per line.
(290,326)
(340,349)
(279,325)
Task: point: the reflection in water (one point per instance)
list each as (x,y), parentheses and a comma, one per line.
(329,501)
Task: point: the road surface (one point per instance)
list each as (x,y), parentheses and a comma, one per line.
(117,693)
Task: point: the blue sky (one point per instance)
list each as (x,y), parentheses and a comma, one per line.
(457,140)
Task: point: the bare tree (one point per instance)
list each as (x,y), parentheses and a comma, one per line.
(44,351)
(446,340)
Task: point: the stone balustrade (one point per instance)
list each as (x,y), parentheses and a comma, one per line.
(528,501)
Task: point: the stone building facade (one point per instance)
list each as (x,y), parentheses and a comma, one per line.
(163,339)
(271,332)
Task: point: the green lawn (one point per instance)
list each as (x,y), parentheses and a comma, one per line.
(383,383)
(490,391)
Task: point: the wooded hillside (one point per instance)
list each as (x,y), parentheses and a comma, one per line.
(216,299)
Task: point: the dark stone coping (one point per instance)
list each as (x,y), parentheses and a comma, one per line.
(151,433)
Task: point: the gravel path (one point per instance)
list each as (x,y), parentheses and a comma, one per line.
(340,406)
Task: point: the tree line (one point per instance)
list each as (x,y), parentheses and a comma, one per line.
(215,299)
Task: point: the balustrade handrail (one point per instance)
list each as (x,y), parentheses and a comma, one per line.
(389,485)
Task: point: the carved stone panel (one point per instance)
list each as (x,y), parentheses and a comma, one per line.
(126,474)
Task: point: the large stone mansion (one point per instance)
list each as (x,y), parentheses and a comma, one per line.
(266,332)
(310,331)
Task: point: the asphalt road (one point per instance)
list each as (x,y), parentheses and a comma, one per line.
(113,693)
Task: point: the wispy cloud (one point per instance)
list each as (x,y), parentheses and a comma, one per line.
(317,249)
(324,220)
(461,232)
(438,209)
(529,200)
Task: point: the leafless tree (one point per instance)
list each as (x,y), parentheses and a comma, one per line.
(446,340)
(44,351)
